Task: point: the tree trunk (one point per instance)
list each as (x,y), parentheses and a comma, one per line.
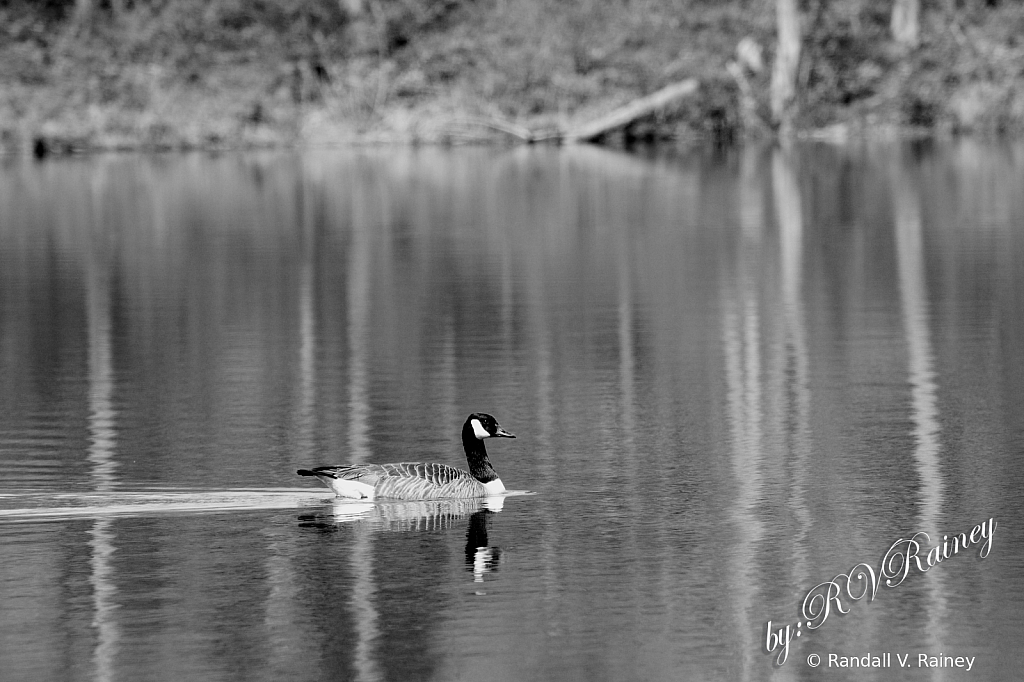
(354,7)
(83,14)
(787,63)
(906,22)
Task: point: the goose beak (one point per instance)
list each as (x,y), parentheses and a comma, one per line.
(502,433)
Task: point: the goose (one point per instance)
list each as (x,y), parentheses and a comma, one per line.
(420,481)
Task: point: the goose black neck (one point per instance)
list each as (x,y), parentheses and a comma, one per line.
(476,454)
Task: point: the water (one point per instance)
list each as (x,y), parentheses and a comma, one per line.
(732,375)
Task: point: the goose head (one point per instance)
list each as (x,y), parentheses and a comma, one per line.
(485,426)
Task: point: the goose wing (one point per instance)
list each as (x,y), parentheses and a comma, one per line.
(435,474)
(404,480)
(363,473)
(422,481)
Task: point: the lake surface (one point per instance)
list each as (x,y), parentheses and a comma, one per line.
(734,375)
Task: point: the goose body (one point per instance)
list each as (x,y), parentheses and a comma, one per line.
(418,480)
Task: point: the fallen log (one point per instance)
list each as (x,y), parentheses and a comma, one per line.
(636,109)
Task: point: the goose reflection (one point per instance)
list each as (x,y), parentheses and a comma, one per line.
(480,558)
(403,516)
(424,515)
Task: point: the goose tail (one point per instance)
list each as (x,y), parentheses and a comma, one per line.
(343,487)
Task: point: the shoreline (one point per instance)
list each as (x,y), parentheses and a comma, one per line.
(450,131)
(836,134)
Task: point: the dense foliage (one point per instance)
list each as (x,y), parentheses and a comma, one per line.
(198,72)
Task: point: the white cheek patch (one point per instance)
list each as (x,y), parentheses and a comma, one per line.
(482,557)
(478,429)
